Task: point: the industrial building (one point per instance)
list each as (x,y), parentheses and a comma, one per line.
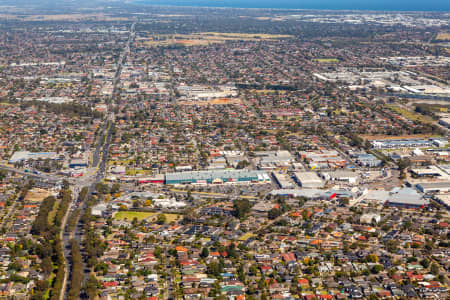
(407,198)
(368,160)
(434,187)
(217,177)
(344,176)
(402,143)
(268,160)
(283,180)
(443,199)
(309,180)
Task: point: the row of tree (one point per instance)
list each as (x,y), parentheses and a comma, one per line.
(49,247)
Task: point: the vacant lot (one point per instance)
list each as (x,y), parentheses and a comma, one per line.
(206,38)
(413,116)
(443,36)
(326,60)
(142,215)
(37,195)
(130,215)
(218,101)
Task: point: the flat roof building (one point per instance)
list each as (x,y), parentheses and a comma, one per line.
(19,156)
(283,181)
(434,187)
(407,198)
(341,175)
(309,180)
(217,177)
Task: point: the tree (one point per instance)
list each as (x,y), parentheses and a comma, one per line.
(204,253)
(241,208)
(434,269)
(161,219)
(47,266)
(376,269)
(425,263)
(372,258)
(274,213)
(115,188)
(91,287)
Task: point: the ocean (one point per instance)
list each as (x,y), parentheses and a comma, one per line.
(377,5)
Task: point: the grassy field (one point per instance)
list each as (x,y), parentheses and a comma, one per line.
(172,217)
(246,236)
(443,36)
(132,172)
(218,101)
(142,215)
(130,215)
(411,115)
(206,38)
(326,60)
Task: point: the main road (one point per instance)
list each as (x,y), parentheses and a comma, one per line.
(100,158)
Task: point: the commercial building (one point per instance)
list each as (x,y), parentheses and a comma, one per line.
(20,156)
(217,177)
(158,178)
(309,180)
(78,163)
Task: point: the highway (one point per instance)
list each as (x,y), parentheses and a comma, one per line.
(50,179)
(99,162)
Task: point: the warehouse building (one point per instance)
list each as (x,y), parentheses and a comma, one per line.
(407,198)
(342,175)
(309,180)
(269,160)
(402,143)
(368,160)
(283,180)
(434,187)
(217,177)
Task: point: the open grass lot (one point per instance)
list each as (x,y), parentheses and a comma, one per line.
(130,215)
(246,236)
(132,172)
(411,115)
(37,195)
(142,215)
(173,217)
(217,101)
(206,38)
(443,36)
(326,60)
